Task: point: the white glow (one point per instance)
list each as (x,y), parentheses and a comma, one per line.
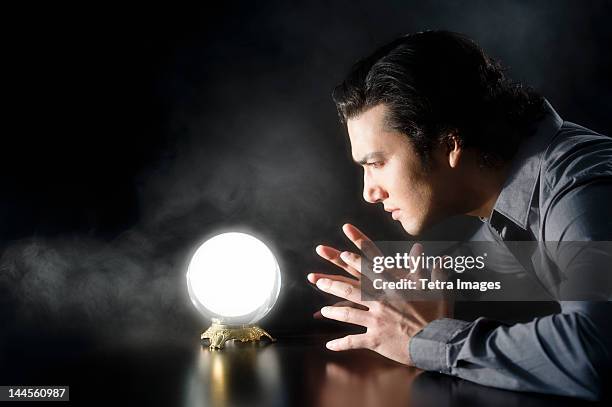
(233,277)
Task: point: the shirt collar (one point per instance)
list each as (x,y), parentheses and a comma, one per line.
(517,193)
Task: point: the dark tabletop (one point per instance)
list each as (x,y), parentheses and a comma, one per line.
(294,371)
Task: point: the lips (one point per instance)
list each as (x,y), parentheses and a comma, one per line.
(395,212)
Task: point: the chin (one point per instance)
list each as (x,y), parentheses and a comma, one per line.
(412,227)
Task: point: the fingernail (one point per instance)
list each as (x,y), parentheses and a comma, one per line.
(346,256)
(324,310)
(331,345)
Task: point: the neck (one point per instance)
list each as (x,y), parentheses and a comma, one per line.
(485,186)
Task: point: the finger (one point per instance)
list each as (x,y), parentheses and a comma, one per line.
(415,269)
(415,252)
(340,289)
(360,240)
(333,256)
(353,260)
(344,303)
(346,314)
(357,263)
(438,273)
(314,277)
(359,341)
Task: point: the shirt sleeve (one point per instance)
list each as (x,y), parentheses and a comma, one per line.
(564,354)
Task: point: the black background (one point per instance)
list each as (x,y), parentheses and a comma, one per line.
(132,133)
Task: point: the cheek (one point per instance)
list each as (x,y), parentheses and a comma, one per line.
(401,181)
(410,193)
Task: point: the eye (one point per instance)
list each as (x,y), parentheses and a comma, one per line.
(375,164)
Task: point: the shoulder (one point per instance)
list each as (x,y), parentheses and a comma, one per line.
(575,155)
(575,183)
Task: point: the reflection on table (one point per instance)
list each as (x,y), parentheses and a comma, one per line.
(295,372)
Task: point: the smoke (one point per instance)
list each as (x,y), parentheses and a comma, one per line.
(254,144)
(272,183)
(115,289)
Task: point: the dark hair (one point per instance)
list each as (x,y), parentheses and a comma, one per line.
(437,82)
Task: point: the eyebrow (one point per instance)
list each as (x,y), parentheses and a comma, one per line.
(369,156)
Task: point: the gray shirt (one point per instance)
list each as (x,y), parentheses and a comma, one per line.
(559,189)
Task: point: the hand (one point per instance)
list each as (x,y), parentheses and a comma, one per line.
(390,325)
(318,315)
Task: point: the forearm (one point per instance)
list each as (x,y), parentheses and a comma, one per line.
(565,354)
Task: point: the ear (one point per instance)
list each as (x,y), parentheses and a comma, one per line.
(454,149)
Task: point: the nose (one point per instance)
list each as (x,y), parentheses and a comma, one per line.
(372,191)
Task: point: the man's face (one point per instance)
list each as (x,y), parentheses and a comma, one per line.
(393,174)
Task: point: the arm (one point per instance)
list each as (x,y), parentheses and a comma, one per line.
(559,354)
(566,353)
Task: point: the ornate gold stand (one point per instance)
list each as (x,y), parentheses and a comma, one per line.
(218,334)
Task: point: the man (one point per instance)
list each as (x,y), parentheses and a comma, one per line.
(440,130)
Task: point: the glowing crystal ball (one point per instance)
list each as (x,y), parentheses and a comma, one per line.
(234,279)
